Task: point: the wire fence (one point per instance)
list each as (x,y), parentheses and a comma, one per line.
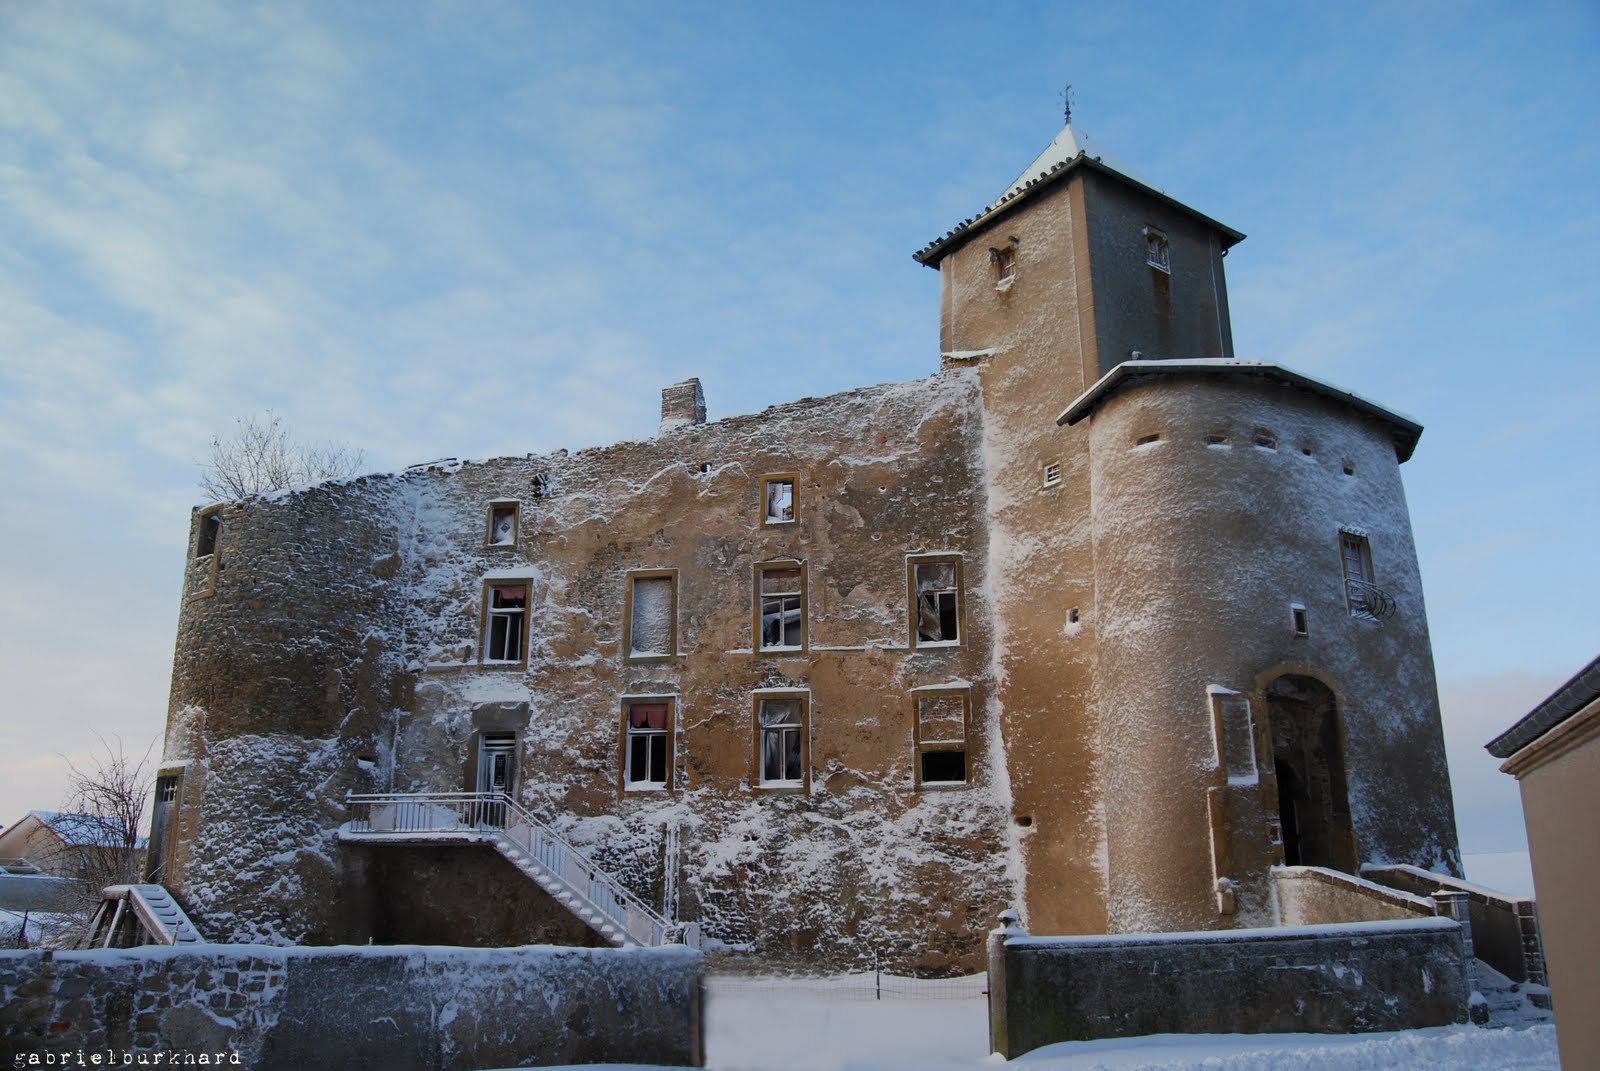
(863,986)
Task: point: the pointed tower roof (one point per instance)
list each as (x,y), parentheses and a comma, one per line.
(1070,150)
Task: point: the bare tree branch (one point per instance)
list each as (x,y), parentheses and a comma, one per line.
(261,456)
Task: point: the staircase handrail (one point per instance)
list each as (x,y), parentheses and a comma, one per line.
(484,802)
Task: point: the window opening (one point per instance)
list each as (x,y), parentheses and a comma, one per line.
(541,485)
(1157,253)
(1052,474)
(505,629)
(166,789)
(210,527)
(936,600)
(781,608)
(503,525)
(782,727)
(1265,440)
(777,500)
(1297,617)
(648,745)
(1146,440)
(1005,265)
(652,616)
(942,738)
(1216,439)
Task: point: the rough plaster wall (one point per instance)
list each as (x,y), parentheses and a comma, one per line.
(390,658)
(1188,597)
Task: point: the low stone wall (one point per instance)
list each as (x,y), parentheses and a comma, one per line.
(1312,896)
(1505,928)
(396,1007)
(1337,979)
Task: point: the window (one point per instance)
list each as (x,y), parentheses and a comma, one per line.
(652,616)
(941,736)
(1297,620)
(1052,474)
(1157,253)
(780,623)
(205,542)
(778,499)
(1005,265)
(647,743)
(502,525)
(782,754)
(935,601)
(166,788)
(1361,595)
(505,633)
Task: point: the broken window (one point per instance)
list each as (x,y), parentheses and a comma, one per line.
(652,615)
(941,736)
(505,623)
(647,744)
(1157,253)
(205,542)
(781,741)
(935,601)
(503,524)
(777,500)
(780,607)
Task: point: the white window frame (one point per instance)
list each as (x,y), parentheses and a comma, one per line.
(1157,250)
(493,614)
(798,730)
(655,740)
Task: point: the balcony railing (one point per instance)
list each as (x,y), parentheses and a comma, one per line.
(1368,601)
(500,818)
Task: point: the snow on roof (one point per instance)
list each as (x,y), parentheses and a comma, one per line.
(1404,431)
(1070,149)
(85,829)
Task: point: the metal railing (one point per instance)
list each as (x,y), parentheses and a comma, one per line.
(500,818)
(1368,600)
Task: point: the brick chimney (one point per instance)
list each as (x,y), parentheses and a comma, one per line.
(682,404)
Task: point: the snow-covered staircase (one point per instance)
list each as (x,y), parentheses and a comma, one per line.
(1510,1003)
(139,914)
(593,896)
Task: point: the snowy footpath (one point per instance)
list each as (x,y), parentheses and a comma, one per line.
(863,1023)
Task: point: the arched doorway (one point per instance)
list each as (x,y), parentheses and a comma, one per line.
(1308,758)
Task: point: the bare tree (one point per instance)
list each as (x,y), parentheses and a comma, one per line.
(261,455)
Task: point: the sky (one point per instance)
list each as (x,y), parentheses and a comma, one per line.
(471,229)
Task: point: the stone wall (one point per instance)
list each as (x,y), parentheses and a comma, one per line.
(1342,979)
(1312,896)
(404,1007)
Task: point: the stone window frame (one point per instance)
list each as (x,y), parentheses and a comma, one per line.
(628,654)
(758,780)
(921,747)
(625,737)
(486,615)
(1157,249)
(793,480)
(503,505)
(939,558)
(206,549)
(780,565)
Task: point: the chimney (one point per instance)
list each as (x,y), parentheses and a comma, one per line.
(682,404)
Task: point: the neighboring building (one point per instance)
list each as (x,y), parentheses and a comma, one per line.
(66,845)
(1554,753)
(1097,620)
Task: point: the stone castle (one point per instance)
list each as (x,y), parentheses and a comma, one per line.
(1097,620)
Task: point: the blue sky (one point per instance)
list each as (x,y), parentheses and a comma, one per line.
(480,228)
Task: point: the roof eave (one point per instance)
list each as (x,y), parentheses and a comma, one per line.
(1559,706)
(934,251)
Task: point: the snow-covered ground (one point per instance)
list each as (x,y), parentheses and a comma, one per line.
(838,1024)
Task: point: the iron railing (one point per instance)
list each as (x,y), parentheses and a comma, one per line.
(1368,600)
(499,817)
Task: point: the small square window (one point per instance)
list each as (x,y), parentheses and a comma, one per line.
(1052,474)
(166,788)
(502,530)
(935,601)
(652,616)
(782,751)
(1157,253)
(778,499)
(647,725)
(1297,620)
(942,718)
(505,632)
(780,624)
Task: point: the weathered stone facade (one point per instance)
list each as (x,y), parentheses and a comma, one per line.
(843,678)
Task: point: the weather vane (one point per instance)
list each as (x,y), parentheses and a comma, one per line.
(1066,102)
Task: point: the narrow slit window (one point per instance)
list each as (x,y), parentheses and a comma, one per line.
(780,608)
(941,737)
(936,602)
(647,745)
(1297,618)
(781,741)
(777,500)
(505,631)
(1362,595)
(652,616)
(503,525)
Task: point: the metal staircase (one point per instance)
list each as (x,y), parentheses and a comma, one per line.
(596,898)
(131,915)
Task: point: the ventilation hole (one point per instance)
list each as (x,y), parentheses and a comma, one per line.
(1216,440)
(1349,468)
(1024,820)
(1306,450)
(1265,441)
(1072,616)
(1147,440)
